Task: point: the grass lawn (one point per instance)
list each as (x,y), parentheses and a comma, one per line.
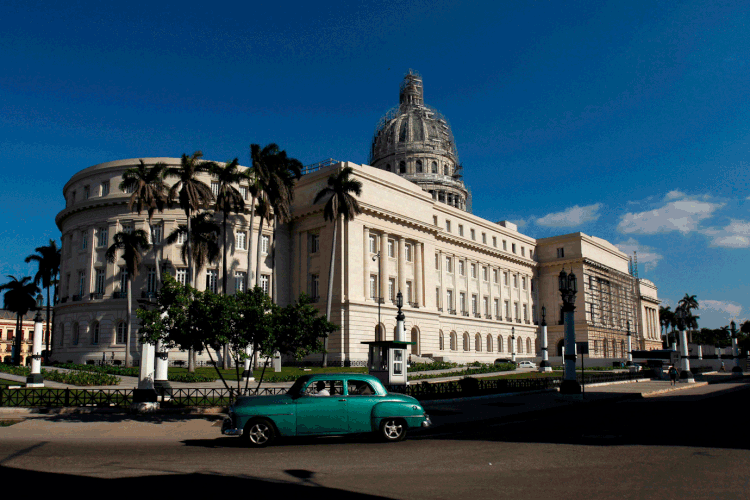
(287,373)
(8,382)
(523,375)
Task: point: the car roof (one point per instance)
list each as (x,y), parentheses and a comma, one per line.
(361,376)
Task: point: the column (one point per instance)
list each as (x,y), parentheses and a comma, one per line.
(366,264)
(383,264)
(418,274)
(401,266)
(490,300)
(685,374)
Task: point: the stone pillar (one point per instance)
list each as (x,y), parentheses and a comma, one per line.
(35,378)
(161,375)
(685,375)
(417,247)
(736,370)
(544,366)
(569,380)
(513,343)
(383,265)
(366,264)
(700,351)
(401,265)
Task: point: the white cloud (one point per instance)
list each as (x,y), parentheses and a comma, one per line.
(681,214)
(735,235)
(646,255)
(570,217)
(717,305)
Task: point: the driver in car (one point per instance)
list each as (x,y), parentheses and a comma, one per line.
(320,388)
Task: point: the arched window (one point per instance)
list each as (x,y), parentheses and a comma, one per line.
(75,333)
(388,167)
(489,343)
(434,167)
(447,169)
(467,342)
(415,341)
(500,343)
(379,332)
(402,167)
(454,341)
(441,339)
(122,328)
(520,345)
(478,343)
(60,333)
(95,333)
(596,348)
(623,352)
(419,166)
(528,346)
(614,348)
(606,348)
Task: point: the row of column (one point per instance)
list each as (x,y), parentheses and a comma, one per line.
(652,320)
(401,271)
(449,198)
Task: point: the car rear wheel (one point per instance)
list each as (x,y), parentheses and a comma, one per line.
(259,433)
(392,430)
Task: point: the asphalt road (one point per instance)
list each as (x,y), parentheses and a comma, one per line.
(688,444)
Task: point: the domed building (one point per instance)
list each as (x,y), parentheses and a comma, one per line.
(416,142)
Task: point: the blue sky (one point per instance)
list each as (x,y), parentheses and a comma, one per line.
(625,120)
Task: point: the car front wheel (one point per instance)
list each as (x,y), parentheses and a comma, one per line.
(392,430)
(259,433)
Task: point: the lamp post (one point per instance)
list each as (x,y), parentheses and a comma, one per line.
(513,343)
(379,298)
(735,350)
(35,378)
(568,286)
(685,375)
(630,347)
(399,318)
(544,366)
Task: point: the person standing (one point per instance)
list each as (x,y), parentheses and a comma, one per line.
(672,375)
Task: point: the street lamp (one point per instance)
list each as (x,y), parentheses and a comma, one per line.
(379,298)
(544,366)
(685,375)
(513,343)
(735,350)
(630,347)
(568,286)
(35,378)
(399,318)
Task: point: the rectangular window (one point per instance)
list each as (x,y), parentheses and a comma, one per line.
(486,305)
(448,268)
(473,304)
(437,297)
(156,232)
(240,279)
(485,273)
(437,261)
(460,230)
(243,192)
(525,313)
(127,228)
(101,237)
(407,247)
(314,243)
(373,286)
(505,278)
(409,297)
(373,244)
(507,309)
(494,241)
(105,188)
(315,286)
(215,188)
(100,281)
(86,192)
(523,252)
(513,247)
(212,280)
(265,281)
(67,282)
(515,281)
(461,270)
(449,299)
(494,275)
(473,235)
(448,226)
(515,310)
(462,302)
(560,253)
(181,238)
(391,248)
(474,271)
(123,280)
(181,276)
(505,245)
(391,289)
(240,237)
(84,240)
(151,280)
(496,306)
(523,282)
(81,282)
(265,242)
(484,238)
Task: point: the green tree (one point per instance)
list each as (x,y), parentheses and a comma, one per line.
(19,298)
(148,192)
(48,261)
(256,174)
(132,245)
(228,201)
(341,204)
(192,194)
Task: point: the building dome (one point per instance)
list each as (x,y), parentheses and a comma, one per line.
(416,142)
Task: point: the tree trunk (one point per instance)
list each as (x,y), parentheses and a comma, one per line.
(130,320)
(47,333)
(330,289)
(257,257)
(190,277)
(250,246)
(273,287)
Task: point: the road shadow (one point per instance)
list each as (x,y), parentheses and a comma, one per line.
(121,416)
(302,484)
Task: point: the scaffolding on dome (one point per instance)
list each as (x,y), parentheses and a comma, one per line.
(314,167)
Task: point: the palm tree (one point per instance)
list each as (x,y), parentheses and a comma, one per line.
(229,200)
(340,203)
(19,298)
(149,192)
(688,303)
(48,260)
(133,244)
(204,247)
(665,319)
(192,193)
(258,170)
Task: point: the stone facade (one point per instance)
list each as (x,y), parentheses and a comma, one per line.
(8,333)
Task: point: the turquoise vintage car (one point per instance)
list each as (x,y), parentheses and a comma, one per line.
(325,404)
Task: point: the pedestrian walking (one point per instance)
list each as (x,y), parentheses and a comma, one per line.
(672,375)
(722,369)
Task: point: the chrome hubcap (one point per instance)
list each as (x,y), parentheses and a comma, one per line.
(259,434)
(393,429)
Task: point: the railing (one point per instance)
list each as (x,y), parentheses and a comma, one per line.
(477,315)
(499,318)
(508,319)
(465,313)
(518,320)
(308,169)
(452,311)
(96,296)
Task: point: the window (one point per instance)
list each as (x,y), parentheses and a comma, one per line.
(76,333)
(473,235)
(314,243)
(449,299)
(494,241)
(122,329)
(485,273)
(151,280)
(127,228)
(212,280)
(560,253)
(474,271)
(181,238)
(462,302)
(95,333)
(419,166)
(81,282)
(408,252)
(437,297)
(391,244)
(437,261)
(513,247)
(265,242)
(505,245)
(448,226)
(84,240)
(86,192)
(525,312)
(461,270)
(505,278)
(454,341)
(156,232)
(484,238)
(73,198)
(264,282)
(181,275)
(243,192)
(515,281)
(442,341)
(523,282)
(434,219)
(101,237)
(240,237)
(391,289)
(240,279)
(460,230)
(486,305)
(402,167)
(496,307)
(434,171)
(507,309)
(515,310)
(215,188)
(100,281)
(473,304)
(388,167)
(373,244)
(315,286)
(523,252)
(494,275)
(409,297)
(448,267)
(105,188)
(447,170)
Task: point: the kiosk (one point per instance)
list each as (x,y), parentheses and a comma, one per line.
(386,360)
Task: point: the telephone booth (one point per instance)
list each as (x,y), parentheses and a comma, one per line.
(386,360)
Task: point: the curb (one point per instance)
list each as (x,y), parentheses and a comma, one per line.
(674,389)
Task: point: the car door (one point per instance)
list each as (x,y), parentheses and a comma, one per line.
(318,414)
(360,399)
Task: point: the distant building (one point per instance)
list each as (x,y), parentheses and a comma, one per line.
(470,285)
(8,334)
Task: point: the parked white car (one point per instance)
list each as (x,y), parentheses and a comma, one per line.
(526,364)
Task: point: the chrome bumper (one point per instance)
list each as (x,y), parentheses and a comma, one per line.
(228,429)
(427,422)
